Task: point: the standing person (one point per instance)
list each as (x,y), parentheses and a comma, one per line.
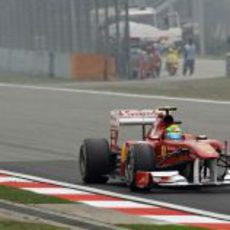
(143,64)
(172,61)
(189,57)
(155,61)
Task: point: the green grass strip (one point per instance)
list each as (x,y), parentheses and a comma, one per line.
(17,225)
(159,227)
(27,197)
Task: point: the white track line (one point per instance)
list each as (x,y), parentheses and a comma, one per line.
(109,93)
(12,179)
(59,191)
(186,219)
(121,196)
(116,204)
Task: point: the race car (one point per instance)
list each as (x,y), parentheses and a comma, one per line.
(155,160)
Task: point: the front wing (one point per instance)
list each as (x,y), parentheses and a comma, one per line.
(173,178)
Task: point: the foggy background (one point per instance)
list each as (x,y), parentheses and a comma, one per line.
(214,16)
(38,37)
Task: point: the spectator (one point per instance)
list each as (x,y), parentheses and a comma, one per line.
(138,61)
(189,57)
(155,61)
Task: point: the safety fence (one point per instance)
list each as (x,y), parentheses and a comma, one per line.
(97,27)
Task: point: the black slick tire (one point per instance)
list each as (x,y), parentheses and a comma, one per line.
(141,157)
(94,160)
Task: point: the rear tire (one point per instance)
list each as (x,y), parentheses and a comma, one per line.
(94,161)
(141,157)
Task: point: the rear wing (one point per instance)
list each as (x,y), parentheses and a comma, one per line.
(127,118)
(132,117)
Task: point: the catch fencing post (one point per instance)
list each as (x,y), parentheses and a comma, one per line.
(228,65)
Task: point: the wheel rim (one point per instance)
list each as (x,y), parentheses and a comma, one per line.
(82,162)
(129,170)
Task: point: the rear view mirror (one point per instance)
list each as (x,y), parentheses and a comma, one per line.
(155,137)
(201,137)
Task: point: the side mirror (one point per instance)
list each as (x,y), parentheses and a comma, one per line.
(201,137)
(155,138)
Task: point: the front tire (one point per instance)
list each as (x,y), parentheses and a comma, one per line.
(94,160)
(141,157)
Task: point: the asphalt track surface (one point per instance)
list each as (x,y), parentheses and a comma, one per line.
(41,132)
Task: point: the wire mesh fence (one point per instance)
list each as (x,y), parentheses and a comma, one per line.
(70,26)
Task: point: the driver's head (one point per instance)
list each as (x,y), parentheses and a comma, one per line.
(174,132)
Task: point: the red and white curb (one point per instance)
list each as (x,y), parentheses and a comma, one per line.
(154,210)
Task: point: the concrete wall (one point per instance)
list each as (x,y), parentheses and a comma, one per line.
(62,65)
(83,67)
(34,63)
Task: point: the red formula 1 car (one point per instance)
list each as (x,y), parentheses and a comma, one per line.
(154,160)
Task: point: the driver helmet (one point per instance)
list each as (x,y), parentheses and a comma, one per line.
(174,132)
